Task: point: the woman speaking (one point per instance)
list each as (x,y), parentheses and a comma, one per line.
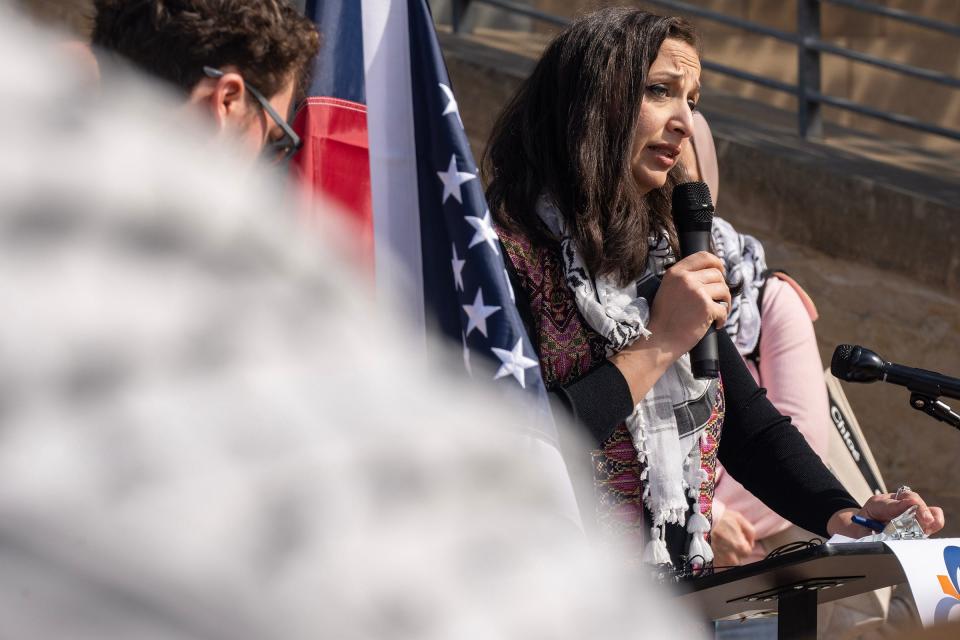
(580,167)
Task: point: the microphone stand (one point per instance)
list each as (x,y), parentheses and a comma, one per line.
(935,408)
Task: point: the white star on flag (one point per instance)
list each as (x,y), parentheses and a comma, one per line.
(452,179)
(514,363)
(477,314)
(457,269)
(452,106)
(484,231)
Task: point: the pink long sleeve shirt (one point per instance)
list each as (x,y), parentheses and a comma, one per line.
(792,372)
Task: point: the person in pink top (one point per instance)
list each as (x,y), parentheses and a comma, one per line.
(785,361)
(791,370)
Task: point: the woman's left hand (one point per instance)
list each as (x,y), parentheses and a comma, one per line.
(885,507)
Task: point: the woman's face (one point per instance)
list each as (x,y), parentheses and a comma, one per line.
(666,113)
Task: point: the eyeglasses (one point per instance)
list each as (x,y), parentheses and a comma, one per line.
(275,151)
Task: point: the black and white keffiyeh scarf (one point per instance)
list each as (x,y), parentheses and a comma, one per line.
(668,423)
(746,263)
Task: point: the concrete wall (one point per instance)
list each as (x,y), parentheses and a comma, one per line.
(842,78)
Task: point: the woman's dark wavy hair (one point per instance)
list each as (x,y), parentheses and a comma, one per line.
(568,131)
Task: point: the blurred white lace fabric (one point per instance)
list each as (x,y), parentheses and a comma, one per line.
(209,430)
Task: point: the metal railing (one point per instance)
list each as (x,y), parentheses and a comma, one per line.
(810,47)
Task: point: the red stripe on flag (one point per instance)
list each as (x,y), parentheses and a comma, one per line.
(335,158)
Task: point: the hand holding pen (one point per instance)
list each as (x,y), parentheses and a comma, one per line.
(879,510)
(869,523)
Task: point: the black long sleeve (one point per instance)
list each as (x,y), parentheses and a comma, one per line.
(598,401)
(768,455)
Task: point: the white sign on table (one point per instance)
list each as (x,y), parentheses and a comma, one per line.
(932,568)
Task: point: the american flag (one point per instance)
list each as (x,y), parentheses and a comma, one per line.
(381,66)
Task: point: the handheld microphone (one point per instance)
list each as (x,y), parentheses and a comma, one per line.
(854,363)
(693,219)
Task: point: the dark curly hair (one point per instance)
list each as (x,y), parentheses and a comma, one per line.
(567,133)
(269,41)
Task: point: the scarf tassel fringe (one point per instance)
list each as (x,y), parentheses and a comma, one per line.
(700,548)
(656,551)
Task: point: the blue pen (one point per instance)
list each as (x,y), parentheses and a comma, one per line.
(876,525)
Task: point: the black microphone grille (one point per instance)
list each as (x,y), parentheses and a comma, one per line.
(692,206)
(840,363)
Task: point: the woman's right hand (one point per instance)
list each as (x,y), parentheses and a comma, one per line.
(692,296)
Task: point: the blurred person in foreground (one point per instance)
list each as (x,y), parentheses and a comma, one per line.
(204,430)
(241,62)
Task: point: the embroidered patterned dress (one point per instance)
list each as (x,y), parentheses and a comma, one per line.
(568,349)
